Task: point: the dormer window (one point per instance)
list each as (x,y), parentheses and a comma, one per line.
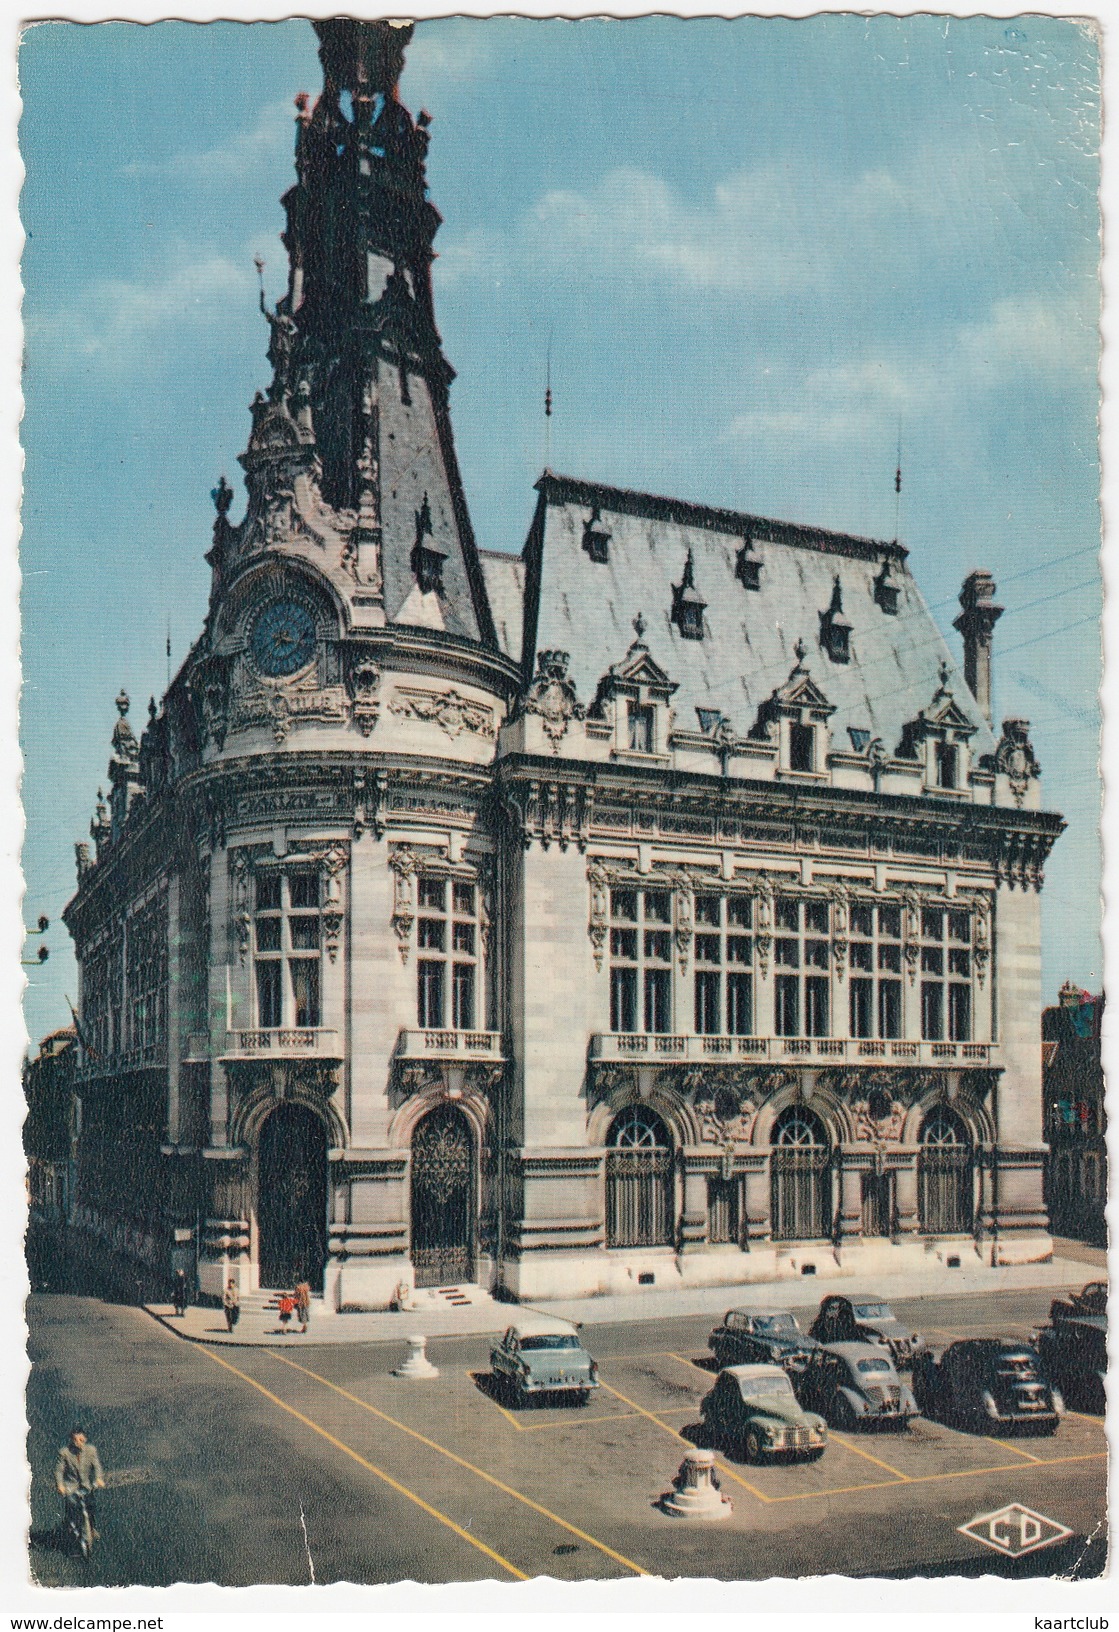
(596,539)
(427,561)
(886,591)
(688,605)
(802,747)
(642,725)
(947,765)
(835,629)
(747,567)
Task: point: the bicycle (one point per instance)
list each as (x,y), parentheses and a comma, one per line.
(79,1529)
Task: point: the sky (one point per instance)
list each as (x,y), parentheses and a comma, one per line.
(757,251)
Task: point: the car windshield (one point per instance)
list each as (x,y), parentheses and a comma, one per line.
(874,1311)
(767,1385)
(874,1365)
(550,1340)
(772,1325)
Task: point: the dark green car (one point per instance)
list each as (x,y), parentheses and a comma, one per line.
(753,1411)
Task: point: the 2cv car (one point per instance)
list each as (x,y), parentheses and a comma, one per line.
(865,1319)
(753,1411)
(539,1356)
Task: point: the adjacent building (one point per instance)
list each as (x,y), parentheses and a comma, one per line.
(1075,1115)
(655,907)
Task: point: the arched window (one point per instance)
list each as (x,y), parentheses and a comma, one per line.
(800,1172)
(639,1185)
(945,1175)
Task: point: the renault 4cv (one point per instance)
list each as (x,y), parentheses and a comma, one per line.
(540,1356)
(856,1385)
(753,1411)
(988,1384)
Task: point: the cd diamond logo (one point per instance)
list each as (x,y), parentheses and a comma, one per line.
(1014,1530)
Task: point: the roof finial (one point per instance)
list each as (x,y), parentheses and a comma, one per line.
(799,651)
(640,626)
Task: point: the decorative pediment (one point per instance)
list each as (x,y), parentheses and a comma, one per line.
(1014,757)
(798,697)
(943,720)
(637,672)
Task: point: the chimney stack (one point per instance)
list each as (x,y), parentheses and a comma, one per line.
(976,623)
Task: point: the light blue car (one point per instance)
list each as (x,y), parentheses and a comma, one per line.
(540,1356)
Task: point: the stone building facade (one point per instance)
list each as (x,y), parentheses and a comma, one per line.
(655,907)
(1075,1099)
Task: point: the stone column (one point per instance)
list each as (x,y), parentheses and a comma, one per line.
(693,1218)
(850,1198)
(905,1196)
(756,1200)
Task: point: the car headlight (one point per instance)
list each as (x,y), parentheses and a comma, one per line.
(1058,1402)
(989,1405)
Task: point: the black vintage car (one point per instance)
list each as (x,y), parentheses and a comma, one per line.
(987,1384)
(864,1318)
(750,1337)
(1073,1350)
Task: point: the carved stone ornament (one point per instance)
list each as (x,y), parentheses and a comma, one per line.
(363,682)
(685,912)
(878,1123)
(405,865)
(448,710)
(724,1118)
(552,697)
(1015,758)
(840,919)
(981,945)
(763,924)
(598,927)
(241,874)
(333,912)
(912,923)
(282,704)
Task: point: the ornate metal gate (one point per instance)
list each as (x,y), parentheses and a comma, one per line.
(292,1198)
(443,1199)
(945,1176)
(639,1181)
(801,1178)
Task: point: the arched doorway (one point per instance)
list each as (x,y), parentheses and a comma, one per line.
(945,1175)
(292,1198)
(444,1204)
(639,1187)
(800,1177)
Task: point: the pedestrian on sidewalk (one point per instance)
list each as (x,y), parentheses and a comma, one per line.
(287,1309)
(179,1292)
(303,1304)
(231,1303)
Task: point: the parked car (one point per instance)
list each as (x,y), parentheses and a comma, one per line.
(865,1319)
(753,1410)
(1073,1351)
(1090,1300)
(760,1337)
(856,1385)
(540,1356)
(986,1383)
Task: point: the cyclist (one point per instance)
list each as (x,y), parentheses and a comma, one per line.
(78,1474)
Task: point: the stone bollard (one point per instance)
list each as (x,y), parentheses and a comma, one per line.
(417,1365)
(694,1493)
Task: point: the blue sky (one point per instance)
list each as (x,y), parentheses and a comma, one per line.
(757,246)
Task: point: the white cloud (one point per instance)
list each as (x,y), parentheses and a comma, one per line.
(239,156)
(1055,341)
(119,321)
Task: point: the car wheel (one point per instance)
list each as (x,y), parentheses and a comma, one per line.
(582,1396)
(753,1445)
(843,1416)
(814,1456)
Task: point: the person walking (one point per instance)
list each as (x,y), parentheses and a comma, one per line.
(78,1473)
(179,1292)
(287,1309)
(231,1303)
(303,1304)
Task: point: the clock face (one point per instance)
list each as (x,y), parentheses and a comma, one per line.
(282,638)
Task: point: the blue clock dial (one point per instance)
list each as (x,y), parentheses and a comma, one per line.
(282,638)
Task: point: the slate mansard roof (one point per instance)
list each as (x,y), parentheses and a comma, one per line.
(586,608)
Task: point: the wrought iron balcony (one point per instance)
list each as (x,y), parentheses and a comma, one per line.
(647,1047)
(437,1044)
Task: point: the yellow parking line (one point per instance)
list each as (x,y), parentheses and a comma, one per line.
(932,1478)
(508,1415)
(508,1490)
(585,1422)
(848,1445)
(1085,1416)
(340,1444)
(684,1361)
(730,1473)
(1007,1446)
